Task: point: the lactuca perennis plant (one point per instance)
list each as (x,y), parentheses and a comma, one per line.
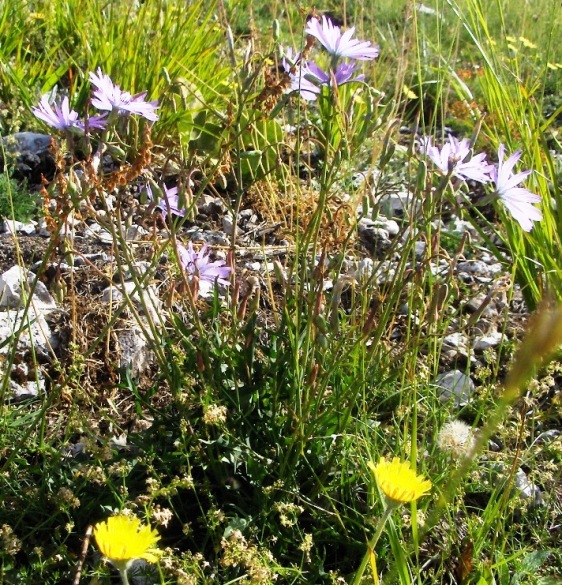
(307,77)
(455,160)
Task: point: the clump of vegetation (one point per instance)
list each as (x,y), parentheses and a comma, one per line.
(291,424)
(16,201)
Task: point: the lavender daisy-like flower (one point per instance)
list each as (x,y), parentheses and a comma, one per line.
(454,159)
(197,265)
(94,122)
(338,44)
(307,78)
(59,117)
(518,200)
(111,97)
(170,203)
(300,82)
(63,118)
(343,74)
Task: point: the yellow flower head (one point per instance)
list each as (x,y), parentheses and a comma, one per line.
(122,539)
(398,481)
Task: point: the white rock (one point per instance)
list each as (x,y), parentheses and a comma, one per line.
(135,353)
(12,226)
(454,385)
(457,342)
(33,332)
(527,490)
(398,204)
(12,295)
(145,299)
(227,224)
(474,267)
(28,390)
(491,340)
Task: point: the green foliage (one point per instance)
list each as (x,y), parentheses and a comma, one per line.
(16,202)
(50,44)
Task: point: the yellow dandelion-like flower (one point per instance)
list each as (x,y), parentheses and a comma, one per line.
(398,481)
(122,539)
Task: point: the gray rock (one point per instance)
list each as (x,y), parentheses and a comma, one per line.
(145,299)
(493,339)
(208,205)
(419,249)
(228,224)
(143,573)
(134,349)
(375,239)
(457,343)
(11,293)
(474,267)
(32,332)
(399,205)
(454,385)
(527,489)
(12,226)
(31,155)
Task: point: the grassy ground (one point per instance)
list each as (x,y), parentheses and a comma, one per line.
(247,445)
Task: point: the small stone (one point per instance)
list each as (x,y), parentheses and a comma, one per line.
(476,267)
(487,341)
(135,232)
(527,490)
(12,296)
(454,385)
(135,353)
(400,204)
(26,391)
(456,342)
(12,226)
(228,224)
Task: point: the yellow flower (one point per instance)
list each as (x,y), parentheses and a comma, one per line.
(398,481)
(122,539)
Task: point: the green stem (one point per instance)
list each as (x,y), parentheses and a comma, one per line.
(124,578)
(371,545)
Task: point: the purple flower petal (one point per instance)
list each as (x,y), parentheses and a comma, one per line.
(518,200)
(338,44)
(110,97)
(454,158)
(59,117)
(198,265)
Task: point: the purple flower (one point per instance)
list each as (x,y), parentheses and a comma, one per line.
(198,265)
(59,117)
(518,200)
(97,122)
(170,203)
(63,118)
(298,73)
(454,159)
(342,74)
(338,44)
(309,77)
(111,97)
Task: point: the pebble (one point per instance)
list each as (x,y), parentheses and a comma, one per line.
(454,385)
(491,340)
(527,489)
(12,226)
(12,296)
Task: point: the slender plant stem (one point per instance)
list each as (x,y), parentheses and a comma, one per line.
(124,578)
(371,545)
